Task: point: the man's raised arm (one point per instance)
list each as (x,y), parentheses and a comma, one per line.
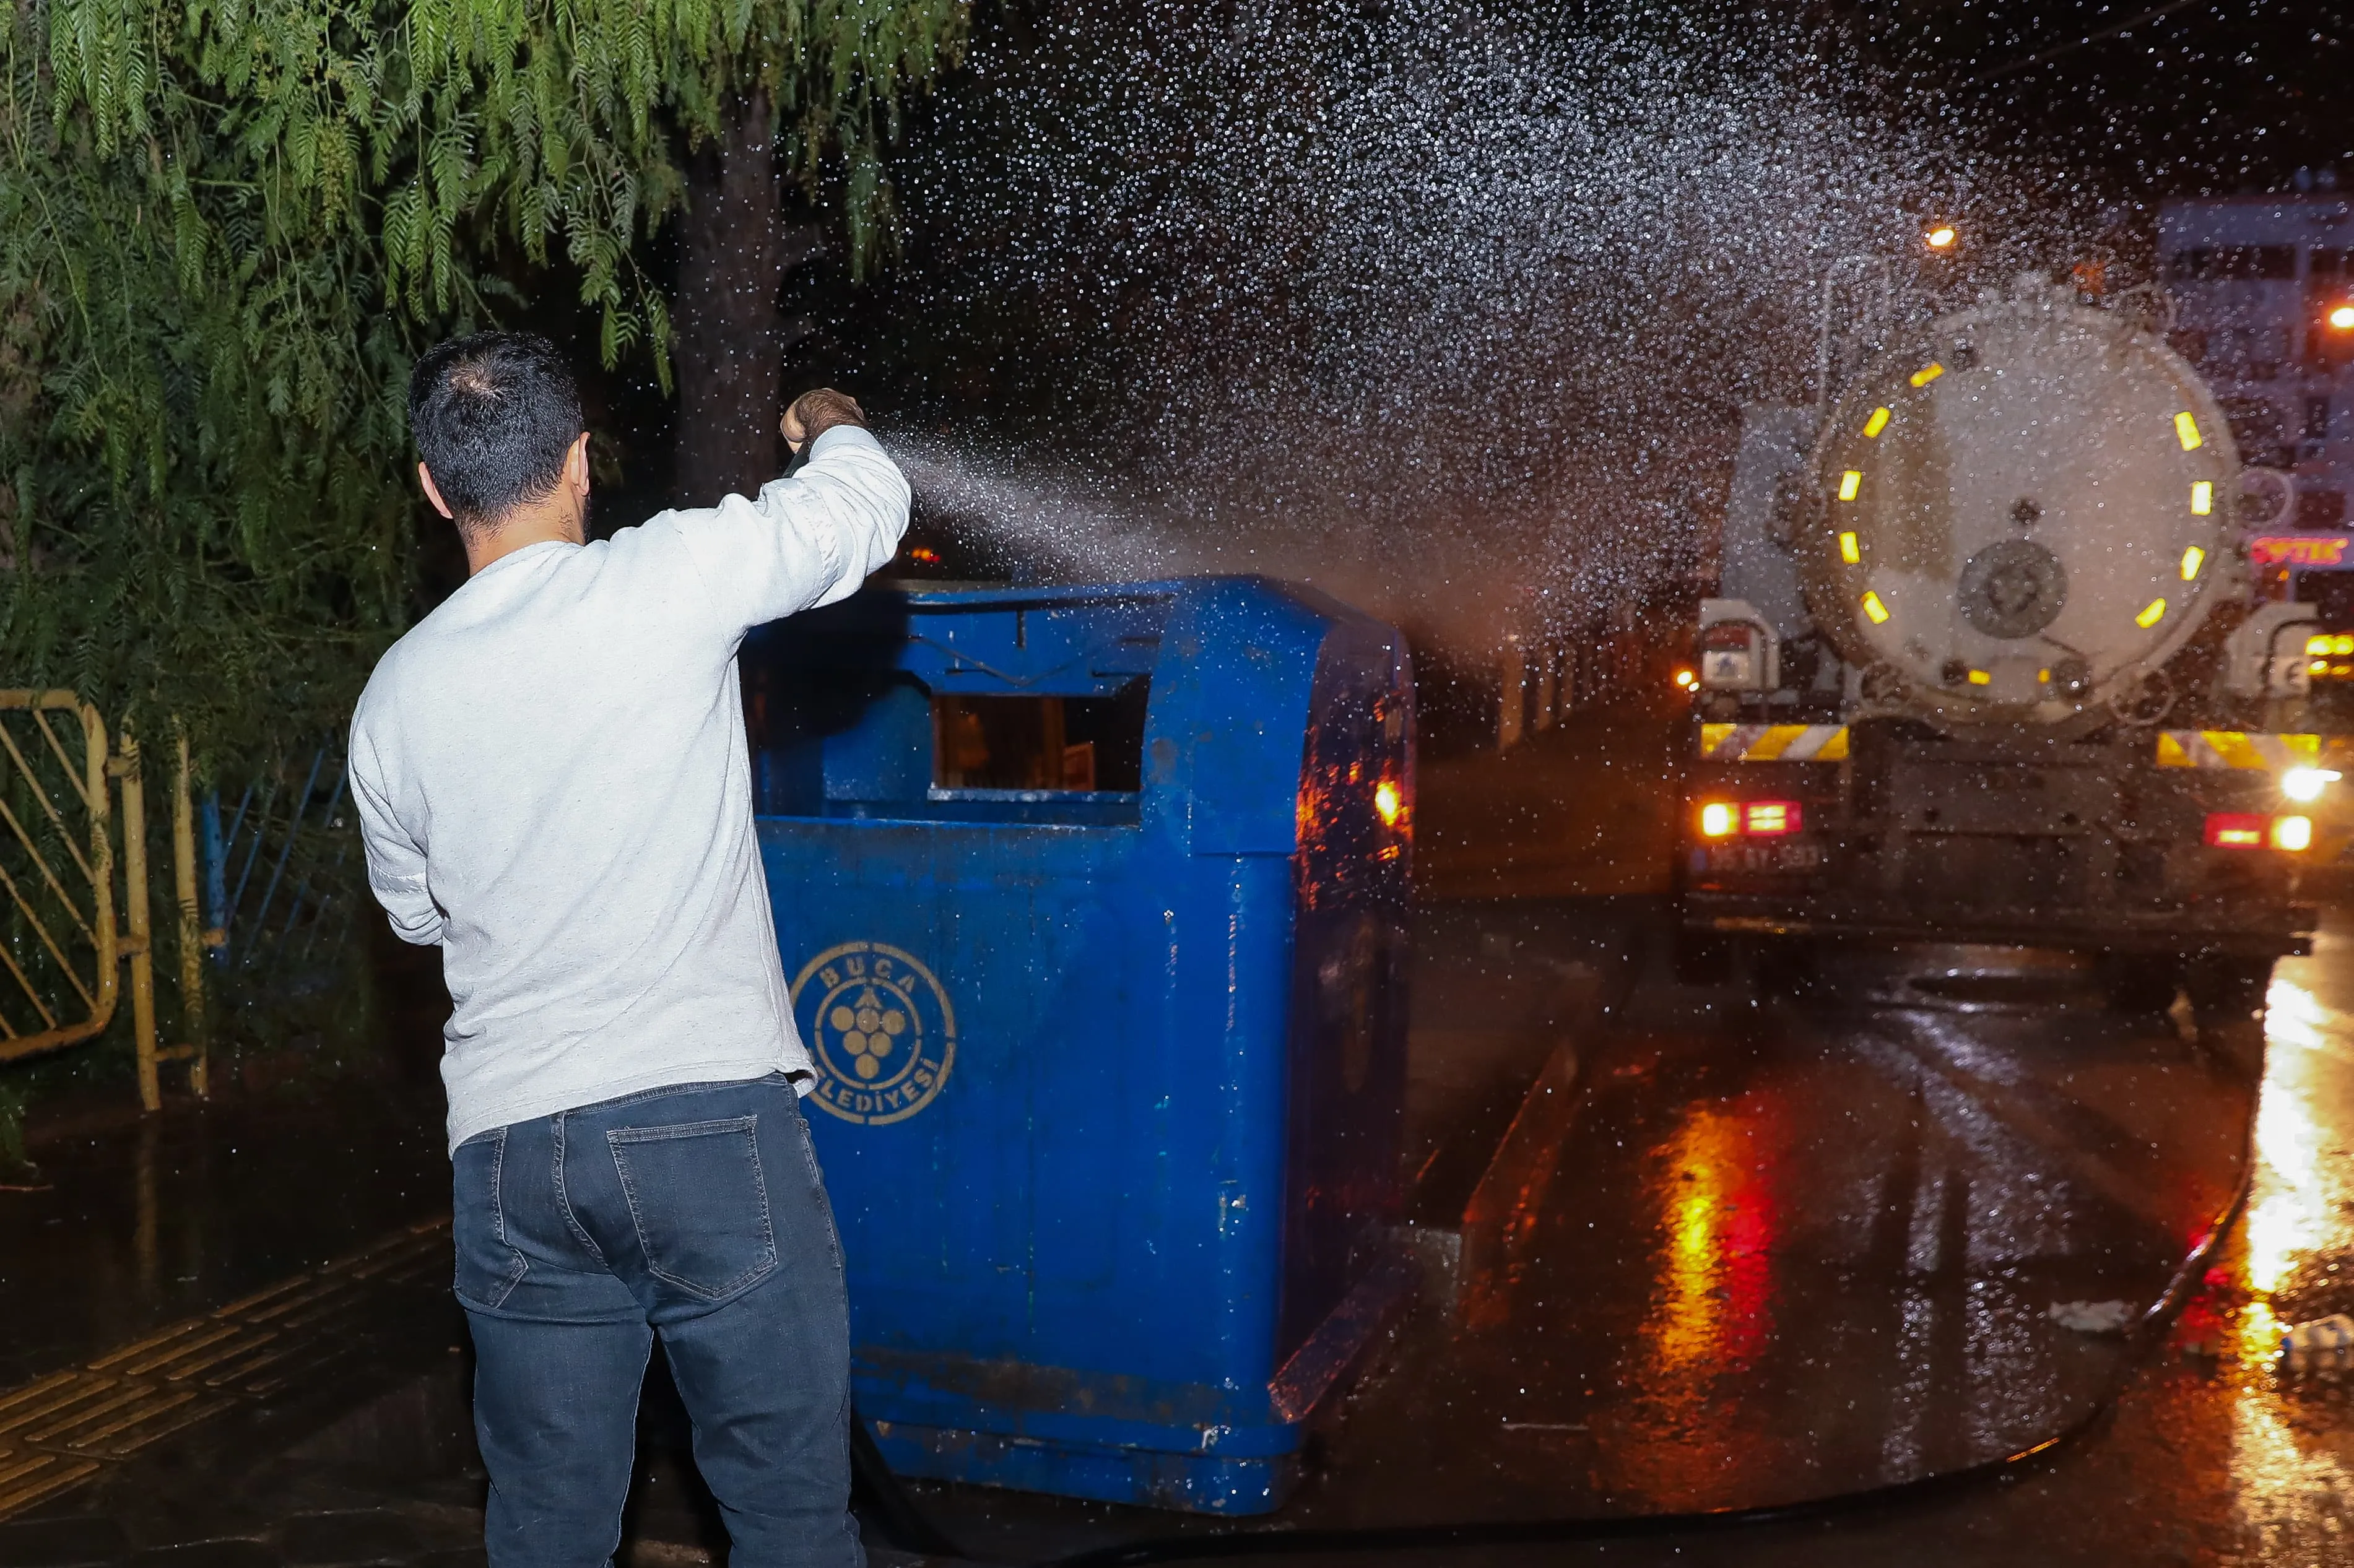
(811,539)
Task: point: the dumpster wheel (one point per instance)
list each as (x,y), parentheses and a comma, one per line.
(909,1529)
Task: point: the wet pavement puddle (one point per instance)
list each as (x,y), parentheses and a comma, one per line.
(1813,1256)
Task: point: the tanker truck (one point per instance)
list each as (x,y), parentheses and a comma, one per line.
(1981,676)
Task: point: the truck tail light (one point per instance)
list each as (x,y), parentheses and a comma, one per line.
(1757,818)
(2255,830)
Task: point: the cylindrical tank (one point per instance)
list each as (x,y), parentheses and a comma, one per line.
(2022,514)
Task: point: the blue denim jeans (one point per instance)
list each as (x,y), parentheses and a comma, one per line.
(694,1212)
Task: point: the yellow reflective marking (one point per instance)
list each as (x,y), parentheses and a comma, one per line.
(1927,373)
(2235,747)
(2192,560)
(2186,431)
(2171,753)
(2152,613)
(1849,484)
(1981,678)
(1849,551)
(2202,498)
(1773,743)
(1877,423)
(1875,608)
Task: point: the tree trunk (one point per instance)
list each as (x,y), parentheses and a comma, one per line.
(728,333)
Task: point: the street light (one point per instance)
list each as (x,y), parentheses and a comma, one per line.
(2342,318)
(1941,237)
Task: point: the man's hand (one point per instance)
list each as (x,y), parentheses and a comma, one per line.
(814,413)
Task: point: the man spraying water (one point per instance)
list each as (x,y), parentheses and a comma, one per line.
(551,775)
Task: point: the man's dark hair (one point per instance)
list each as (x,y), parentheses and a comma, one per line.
(492,416)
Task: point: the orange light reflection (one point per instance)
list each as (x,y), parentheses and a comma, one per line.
(1715,1306)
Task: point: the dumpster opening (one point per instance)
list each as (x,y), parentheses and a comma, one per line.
(985,744)
(926,707)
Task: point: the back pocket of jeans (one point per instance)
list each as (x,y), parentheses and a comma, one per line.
(488,1268)
(699,1201)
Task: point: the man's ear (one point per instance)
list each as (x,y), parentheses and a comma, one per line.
(576,464)
(425,476)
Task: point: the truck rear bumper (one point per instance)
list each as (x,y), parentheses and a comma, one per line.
(2269,930)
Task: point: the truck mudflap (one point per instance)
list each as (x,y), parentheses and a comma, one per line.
(2258,931)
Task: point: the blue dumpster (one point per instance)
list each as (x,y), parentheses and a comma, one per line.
(1093,906)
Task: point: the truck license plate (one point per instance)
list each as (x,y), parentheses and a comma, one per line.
(1764,857)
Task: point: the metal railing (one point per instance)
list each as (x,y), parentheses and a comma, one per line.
(63,942)
(279,868)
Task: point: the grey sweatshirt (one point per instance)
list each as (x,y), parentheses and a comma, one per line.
(552,783)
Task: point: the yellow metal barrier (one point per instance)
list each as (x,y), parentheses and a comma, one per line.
(90,856)
(65,951)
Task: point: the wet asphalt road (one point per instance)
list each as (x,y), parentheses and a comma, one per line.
(1740,1255)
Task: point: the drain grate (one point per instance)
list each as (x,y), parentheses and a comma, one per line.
(61,1430)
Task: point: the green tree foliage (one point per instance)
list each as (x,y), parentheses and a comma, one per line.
(227,225)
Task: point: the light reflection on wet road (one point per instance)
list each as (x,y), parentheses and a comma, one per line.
(2210,1455)
(1808,1254)
(2289,1455)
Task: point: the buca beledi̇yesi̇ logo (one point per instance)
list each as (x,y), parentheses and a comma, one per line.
(881,1028)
